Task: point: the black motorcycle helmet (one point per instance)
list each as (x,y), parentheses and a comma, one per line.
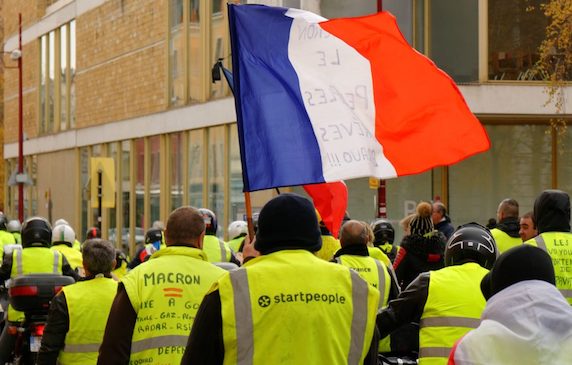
(383,232)
(211,224)
(3,221)
(120,258)
(36,232)
(153,235)
(471,242)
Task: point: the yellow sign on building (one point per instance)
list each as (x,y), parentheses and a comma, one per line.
(106,167)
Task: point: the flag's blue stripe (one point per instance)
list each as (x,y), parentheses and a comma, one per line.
(278,145)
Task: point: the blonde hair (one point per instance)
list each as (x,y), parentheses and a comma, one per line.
(404,223)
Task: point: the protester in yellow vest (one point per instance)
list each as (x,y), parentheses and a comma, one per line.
(287,305)
(6,238)
(506,231)
(76,243)
(156,302)
(527,227)
(237,230)
(216,249)
(552,217)
(78,314)
(354,254)
(384,235)
(330,244)
(120,267)
(35,257)
(63,238)
(446,303)
(15,227)
(154,241)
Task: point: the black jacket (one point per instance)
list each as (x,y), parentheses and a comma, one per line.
(445,227)
(552,211)
(418,254)
(510,226)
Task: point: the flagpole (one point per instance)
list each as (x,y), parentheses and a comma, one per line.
(249,215)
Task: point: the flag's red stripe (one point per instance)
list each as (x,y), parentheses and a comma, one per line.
(422,120)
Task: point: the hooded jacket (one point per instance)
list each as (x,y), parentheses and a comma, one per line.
(552,211)
(536,330)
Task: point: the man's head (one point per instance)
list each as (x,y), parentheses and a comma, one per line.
(471,243)
(439,212)
(288,222)
(508,208)
(354,233)
(185,226)
(63,234)
(211,223)
(98,256)
(36,232)
(552,211)
(93,232)
(527,227)
(383,232)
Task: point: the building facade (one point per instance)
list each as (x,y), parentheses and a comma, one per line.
(131,80)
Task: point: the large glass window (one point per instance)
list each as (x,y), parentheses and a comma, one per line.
(237,208)
(196,73)
(125,190)
(56,84)
(453,38)
(176,170)
(518,166)
(177,54)
(84,176)
(113,152)
(139,184)
(196,168)
(216,173)
(516,29)
(564,158)
(95,152)
(155,183)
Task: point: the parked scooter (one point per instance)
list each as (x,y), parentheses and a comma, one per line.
(32,295)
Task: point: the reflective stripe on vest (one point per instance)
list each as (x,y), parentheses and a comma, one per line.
(88,303)
(361,263)
(244,323)
(453,307)
(166,293)
(56,267)
(561,269)
(292,291)
(216,249)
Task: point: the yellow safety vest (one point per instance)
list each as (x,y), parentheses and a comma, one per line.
(454,306)
(504,241)
(289,307)
(77,245)
(165,293)
(73,256)
(559,247)
(377,275)
(33,260)
(217,250)
(7,238)
(17,237)
(121,271)
(89,303)
(235,243)
(330,246)
(378,254)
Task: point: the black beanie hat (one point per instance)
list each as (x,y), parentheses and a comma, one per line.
(520,263)
(288,222)
(422,223)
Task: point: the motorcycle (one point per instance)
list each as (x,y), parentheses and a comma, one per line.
(32,295)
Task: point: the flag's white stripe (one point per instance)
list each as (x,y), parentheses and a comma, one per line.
(337,90)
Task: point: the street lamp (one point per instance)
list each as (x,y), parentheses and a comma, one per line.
(21,178)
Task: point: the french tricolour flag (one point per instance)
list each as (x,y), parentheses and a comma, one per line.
(321,100)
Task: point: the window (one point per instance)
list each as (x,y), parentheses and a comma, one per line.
(57,86)
(155,175)
(237,207)
(216,173)
(139,157)
(516,29)
(176,170)
(196,167)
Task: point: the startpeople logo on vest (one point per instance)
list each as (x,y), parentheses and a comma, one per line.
(301,297)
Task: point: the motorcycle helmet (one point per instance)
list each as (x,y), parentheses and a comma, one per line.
(3,222)
(63,234)
(120,258)
(14,226)
(471,242)
(237,228)
(209,217)
(93,232)
(153,235)
(61,221)
(383,232)
(36,232)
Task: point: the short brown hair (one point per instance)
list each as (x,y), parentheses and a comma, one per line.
(98,256)
(184,226)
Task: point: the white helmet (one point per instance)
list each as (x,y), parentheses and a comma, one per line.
(14,226)
(63,233)
(61,221)
(237,228)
